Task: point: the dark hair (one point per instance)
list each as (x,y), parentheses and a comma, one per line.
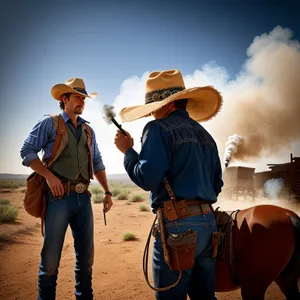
(61,103)
(181,104)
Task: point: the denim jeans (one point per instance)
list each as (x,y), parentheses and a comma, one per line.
(75,210)
(197,282)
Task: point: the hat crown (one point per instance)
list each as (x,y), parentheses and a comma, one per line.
(75,83)
(159,80)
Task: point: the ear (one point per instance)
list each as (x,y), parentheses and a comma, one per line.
(64,99)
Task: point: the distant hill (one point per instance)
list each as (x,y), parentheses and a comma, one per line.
(8,176)
(122,178)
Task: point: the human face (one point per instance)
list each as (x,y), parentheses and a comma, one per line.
(75,104)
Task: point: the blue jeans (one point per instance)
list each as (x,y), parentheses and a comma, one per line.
(75,210)
(198,282)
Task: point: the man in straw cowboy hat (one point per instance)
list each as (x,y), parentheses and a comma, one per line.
(68,200)
(179,161)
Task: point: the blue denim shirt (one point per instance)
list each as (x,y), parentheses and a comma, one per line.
(180,149)
(43,135)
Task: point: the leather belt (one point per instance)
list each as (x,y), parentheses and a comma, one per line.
(189,208)
(78,187)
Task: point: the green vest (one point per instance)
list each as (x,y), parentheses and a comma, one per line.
(74,159)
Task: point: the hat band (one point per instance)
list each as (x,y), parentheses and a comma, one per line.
(82,91)
(161,94)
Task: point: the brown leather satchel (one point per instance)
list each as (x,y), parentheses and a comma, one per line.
(35,197)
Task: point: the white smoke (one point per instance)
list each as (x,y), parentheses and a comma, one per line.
(273,187)
(261,104)
(231,147)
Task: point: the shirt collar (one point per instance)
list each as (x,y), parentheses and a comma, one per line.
(180,112)
(66,118)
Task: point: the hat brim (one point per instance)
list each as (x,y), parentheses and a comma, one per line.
(203,104)
(59,89)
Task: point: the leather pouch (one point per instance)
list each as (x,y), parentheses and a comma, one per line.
(182,250)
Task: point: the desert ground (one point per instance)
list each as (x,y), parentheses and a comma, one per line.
(117,272)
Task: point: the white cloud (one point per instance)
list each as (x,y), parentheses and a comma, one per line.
(268,84)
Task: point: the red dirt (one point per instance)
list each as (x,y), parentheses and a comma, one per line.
(117,272)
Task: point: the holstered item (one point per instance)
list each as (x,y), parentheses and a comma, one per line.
(182,250)
(216,238)
(179,249)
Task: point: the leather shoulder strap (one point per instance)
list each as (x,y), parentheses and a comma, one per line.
(59,125)
(89,143)
(88,133)
(169,190)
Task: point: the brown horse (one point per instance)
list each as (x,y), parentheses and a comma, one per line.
(263,247)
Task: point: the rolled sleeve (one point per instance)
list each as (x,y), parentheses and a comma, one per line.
(29,158)
(98,164)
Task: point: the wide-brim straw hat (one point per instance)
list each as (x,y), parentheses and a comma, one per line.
(72,85)
(163,87)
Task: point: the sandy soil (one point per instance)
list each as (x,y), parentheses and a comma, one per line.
(117,272)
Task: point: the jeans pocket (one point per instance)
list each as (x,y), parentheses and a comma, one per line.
(51,198)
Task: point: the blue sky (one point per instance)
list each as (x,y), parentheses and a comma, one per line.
(109,42)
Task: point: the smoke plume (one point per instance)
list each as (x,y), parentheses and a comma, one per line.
(109,113)
(231,148)
(263,104)
(273,187)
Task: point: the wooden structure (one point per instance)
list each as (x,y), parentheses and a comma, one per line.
(244,181)
(290,174)
(239,181)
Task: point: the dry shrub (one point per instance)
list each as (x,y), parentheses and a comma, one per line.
(8,213)
(144,207)
(137,198)
(129,236)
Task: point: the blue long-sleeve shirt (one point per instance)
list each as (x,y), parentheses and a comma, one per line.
(180,149)
(43,135)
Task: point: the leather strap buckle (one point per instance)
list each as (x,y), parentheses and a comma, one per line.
(80,187)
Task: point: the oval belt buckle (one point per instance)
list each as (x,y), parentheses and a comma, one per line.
(80,187)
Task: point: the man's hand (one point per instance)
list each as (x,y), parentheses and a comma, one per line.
(123,142)
(55,185)
(107,203)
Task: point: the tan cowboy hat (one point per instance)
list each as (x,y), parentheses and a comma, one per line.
(72,85)
(163,87)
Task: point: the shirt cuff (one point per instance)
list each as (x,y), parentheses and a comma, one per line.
(98,167)
(29,158)
(130,154)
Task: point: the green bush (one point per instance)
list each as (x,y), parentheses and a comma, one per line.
(144,207)
(4,202)
(8,213)
(116,190)
(123,195)
(129,236)
(11,184)
(137,198)
(97,198)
